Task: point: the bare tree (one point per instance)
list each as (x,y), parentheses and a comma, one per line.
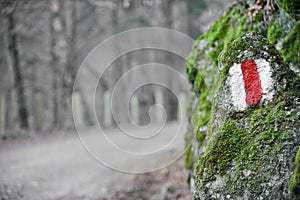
(169,100)
(13,59)
(45,44)
(69,73)
(58,56)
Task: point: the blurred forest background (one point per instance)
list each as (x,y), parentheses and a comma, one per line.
(42,44)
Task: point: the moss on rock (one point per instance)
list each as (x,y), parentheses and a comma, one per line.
(292,7)
(234,154)
(227,145)
(274,32)
(191,65)
(291,46)
(294,185)
(246,149)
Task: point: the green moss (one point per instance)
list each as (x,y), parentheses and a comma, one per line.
(294,185)
(205,109)
(189,154)
(291,46)
(189,136)
(274,32)
(199,83)
(225,30)
(202,115)
(238,50)
(200,137)
(259,17)
(264,129)
(194,121)
(218,30)
(191,64)
(246,148)
(260,132)
(228,144)
(292,7)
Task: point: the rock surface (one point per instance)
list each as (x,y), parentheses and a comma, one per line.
(244,135)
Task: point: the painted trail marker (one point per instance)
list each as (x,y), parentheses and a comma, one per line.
(250,83)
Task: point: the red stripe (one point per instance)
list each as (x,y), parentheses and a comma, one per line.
(252,82)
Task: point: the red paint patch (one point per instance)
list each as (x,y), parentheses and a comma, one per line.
(252,82)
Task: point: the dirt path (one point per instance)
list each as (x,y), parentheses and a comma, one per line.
(60,168)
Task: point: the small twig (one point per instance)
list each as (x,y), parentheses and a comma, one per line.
(270,5)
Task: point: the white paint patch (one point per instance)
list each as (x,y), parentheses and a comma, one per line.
(237,88)
(265,75)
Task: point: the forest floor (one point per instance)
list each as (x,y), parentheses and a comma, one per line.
(167,184)
(56,166)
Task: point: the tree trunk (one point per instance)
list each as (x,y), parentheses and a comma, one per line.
(58,55)
(14,61)
(116,70)
(3,110)
(189,18)
(69,74)
(169,101)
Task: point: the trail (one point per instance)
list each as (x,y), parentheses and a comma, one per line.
(59,167)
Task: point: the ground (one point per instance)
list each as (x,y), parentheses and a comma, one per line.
(56,166)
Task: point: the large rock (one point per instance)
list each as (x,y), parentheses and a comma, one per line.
(253,136)
(244,132)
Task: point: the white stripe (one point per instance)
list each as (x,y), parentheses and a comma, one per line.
(236,83)
(265,75)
